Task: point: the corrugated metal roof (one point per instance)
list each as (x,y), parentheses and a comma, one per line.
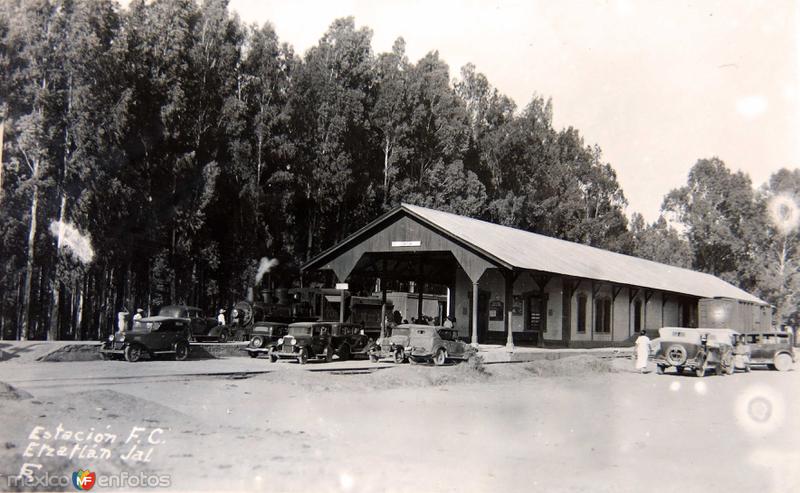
(526,250)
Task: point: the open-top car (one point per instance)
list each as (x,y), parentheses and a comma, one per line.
(394,344)
(696,349)
(437,344)
(320,340)
(151,336)
(774,349)
(264,337)
(202,327)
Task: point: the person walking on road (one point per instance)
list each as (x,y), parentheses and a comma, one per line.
(642,351)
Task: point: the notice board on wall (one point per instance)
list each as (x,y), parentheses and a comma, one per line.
(496,311)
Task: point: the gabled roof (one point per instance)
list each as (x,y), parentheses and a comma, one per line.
(530,251)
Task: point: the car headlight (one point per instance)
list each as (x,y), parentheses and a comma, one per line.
(280,341)
(111,338)
(294,342)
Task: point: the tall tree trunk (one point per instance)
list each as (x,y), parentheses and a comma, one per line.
(310,241)
(2,131)
(56,282)
(386,151)
(26,290)
(80,287)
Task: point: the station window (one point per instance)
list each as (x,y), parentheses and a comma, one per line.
(602,315)
(581,312)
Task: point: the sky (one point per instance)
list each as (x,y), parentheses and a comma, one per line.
(657,84)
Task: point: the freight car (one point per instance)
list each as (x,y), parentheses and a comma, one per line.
(738,315)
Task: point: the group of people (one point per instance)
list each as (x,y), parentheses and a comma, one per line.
(396,318)
(122,318)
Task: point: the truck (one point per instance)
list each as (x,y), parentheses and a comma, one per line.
(738,315)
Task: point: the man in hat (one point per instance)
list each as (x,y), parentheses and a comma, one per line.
(221,316)
(137,317)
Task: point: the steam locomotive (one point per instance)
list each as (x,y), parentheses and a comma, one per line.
(306,305)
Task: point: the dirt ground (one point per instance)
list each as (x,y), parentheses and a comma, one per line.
(577,424)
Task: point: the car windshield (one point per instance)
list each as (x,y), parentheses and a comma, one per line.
(172,311)
(448,335)
(147,326)
(400,331)
(300,331)
(267,330)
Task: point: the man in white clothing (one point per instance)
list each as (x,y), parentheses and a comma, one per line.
(642,351)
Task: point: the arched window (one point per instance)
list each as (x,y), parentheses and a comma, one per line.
(602,315)
(581,312)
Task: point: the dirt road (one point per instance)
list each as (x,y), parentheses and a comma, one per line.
(578,424)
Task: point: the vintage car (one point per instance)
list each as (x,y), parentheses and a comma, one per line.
(696,349)
(320,340)
(152,336)
(395,344)
(437,344)
(202,327)
(774,349)
(264,337)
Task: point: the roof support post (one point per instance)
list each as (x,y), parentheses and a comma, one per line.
(510,276)
(474,339)
(383,310)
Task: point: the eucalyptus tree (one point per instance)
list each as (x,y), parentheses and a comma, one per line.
(778,257)
(329,109)
(718,210)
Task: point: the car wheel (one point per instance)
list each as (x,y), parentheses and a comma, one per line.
(223,336)
(660,369)
(302,356)
(676,355)
(700,371)
(344,352)
(783,362)
(133,353)
(253,354)
(399,356)
(440,358)
(181,351)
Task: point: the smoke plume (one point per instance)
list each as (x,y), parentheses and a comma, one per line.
(78,244)
(264,266)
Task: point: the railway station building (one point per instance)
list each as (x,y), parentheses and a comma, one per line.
(529,289)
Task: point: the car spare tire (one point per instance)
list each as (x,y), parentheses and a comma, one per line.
(676,355)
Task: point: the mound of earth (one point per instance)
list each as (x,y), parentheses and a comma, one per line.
(11,393)
(73,352)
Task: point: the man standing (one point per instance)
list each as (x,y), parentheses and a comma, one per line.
(221,316)
(642,351)
(137,317)
(122,320)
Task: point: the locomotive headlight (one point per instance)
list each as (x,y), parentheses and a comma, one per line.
(294,342)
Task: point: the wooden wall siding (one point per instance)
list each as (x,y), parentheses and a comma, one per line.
(407,229)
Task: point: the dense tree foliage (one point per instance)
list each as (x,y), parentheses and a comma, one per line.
(187,146)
